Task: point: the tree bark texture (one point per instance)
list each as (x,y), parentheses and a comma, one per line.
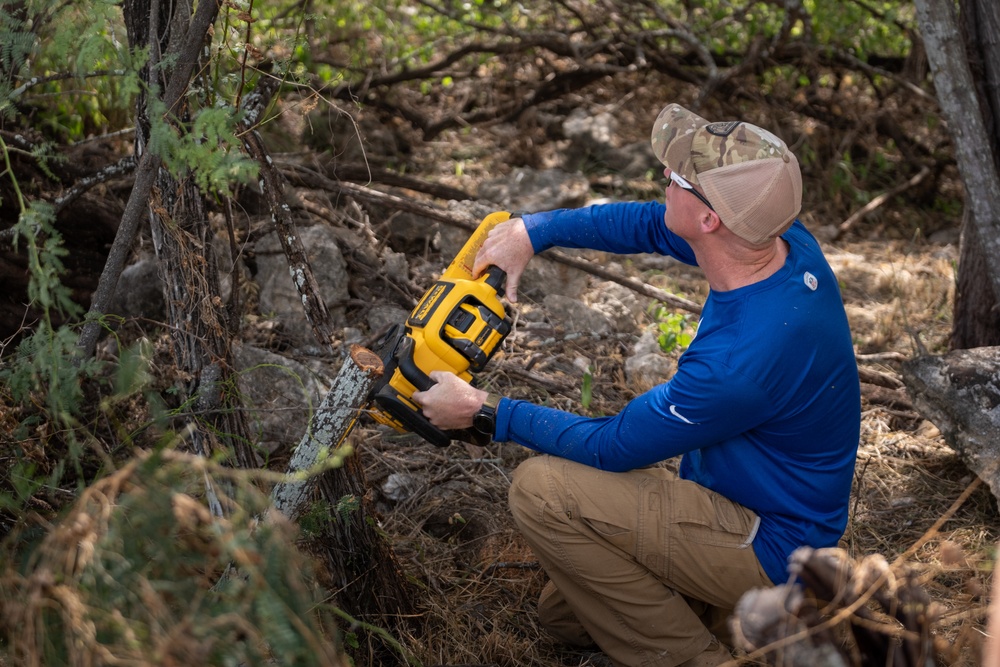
(182,239)
(976,320)
(329,426)
(370,584)
(142,19)
(960,393)
(976,315)
(970,120)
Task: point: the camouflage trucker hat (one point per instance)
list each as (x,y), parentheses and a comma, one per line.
(749,175)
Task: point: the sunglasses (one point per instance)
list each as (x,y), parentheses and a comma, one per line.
(679,180)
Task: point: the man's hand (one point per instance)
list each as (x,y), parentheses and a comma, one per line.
(509,247)
(451,403)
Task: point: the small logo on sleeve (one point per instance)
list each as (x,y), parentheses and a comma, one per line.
(675,413)
(810,281)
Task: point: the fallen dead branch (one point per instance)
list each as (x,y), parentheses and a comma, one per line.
(305,176)
(878,201)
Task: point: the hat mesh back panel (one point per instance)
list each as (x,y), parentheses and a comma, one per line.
(755,200)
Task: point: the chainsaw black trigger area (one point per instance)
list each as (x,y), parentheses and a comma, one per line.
(495,277)
(410,417)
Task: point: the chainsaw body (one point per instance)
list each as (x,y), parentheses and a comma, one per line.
(457,327)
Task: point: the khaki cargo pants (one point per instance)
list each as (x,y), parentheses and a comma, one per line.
(638,561)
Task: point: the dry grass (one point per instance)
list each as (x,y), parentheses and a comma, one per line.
(134,574)
(452,533)
(906,484)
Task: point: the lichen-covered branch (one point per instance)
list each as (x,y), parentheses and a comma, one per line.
(327,430)
(272,183)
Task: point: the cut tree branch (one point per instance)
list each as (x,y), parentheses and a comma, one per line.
(328,428)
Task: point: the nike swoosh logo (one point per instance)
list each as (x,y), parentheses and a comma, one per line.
(673,411)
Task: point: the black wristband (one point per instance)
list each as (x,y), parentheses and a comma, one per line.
(485,420)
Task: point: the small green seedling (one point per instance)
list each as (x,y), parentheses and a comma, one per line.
(676,330)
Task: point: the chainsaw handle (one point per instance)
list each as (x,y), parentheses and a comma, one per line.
(408,367)
(495,277)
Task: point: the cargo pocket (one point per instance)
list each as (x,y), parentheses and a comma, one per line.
(614,520)
(704,517)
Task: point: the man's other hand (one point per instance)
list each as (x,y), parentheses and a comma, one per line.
(509,247)
(451,403)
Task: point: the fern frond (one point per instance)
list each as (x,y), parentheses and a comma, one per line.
(15,47)
(210,152)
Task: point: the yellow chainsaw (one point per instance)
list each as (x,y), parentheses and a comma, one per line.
(457,327)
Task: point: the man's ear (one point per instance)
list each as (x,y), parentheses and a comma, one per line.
(710,221)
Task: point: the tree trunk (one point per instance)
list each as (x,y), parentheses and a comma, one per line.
(359,560)
(966,80)
(182,240)
(141,18)
(976,321)
(966,83)
(329,427)
(976,316)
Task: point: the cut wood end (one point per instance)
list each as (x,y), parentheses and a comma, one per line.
(366,360)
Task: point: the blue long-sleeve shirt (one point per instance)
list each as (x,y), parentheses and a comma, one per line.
(765,402)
